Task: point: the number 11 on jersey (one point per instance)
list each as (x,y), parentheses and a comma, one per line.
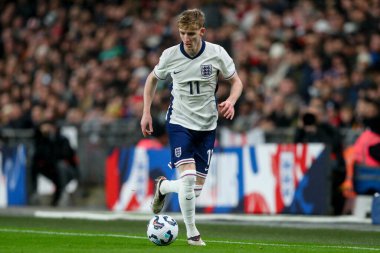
(190,83)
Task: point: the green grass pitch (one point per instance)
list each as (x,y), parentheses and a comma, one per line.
(38,235)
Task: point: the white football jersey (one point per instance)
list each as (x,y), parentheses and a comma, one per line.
(193,103)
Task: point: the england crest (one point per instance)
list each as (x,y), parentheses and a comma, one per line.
(206,70)
(177,152)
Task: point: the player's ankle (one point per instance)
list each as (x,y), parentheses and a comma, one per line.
(191,230)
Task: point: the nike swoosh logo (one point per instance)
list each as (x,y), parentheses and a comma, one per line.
(189,199)
(176,72)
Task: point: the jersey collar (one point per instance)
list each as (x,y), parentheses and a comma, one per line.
(181,46)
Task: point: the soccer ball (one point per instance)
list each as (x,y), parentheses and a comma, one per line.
(162,230)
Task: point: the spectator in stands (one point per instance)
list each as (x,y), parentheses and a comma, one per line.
(312,129)
(281,113)
(347,117)
(68,56)
(159,138)
(367,146)
(245,120)
(54,158)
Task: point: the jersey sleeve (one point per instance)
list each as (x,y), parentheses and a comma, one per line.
(227,65)
(160,70)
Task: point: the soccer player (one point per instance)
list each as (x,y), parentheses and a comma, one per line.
(191,119)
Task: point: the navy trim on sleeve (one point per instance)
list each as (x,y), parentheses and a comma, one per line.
(157,76)
(230,76)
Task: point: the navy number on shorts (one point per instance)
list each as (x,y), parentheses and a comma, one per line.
(196,83)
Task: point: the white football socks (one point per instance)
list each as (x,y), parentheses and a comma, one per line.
(186,197)
(198,190)
(185,187)
(168,186)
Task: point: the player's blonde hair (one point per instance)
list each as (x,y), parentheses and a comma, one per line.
(191,19)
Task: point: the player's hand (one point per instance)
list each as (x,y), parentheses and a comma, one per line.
(146,125)
(227,109)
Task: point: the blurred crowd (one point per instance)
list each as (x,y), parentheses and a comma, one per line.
(86,61)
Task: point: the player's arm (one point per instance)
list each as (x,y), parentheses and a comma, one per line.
(149,91)
(227,107)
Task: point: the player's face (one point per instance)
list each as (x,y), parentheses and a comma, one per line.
(191,38)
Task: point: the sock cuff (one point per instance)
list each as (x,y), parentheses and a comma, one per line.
(198,187)
(198,190)
(187,173)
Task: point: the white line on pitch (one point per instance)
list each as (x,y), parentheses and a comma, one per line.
(209,241)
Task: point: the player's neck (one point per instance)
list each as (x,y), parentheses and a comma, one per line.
(195,51)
